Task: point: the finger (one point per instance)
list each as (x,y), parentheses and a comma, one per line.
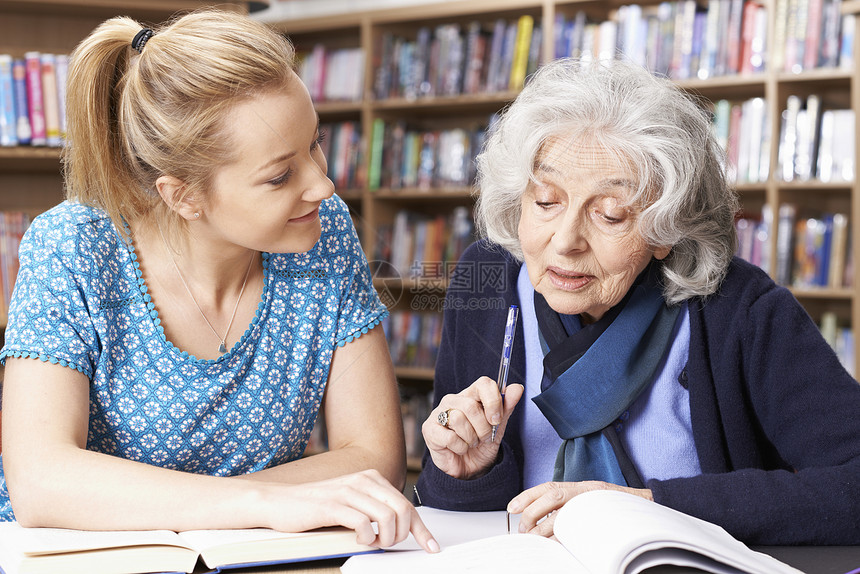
(376,486)
(526,497)
(546,526)
(552,500)
(439,438)
(375,510)
(513,394)
(472,411)
(356,521)
(490,399)
(422,534)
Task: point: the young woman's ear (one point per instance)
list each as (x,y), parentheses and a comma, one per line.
(174,193)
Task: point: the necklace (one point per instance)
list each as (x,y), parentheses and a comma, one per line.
(222,348)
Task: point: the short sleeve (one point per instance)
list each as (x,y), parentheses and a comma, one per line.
(49,317)
(361,309)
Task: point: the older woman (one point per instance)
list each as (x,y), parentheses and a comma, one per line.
(654,362)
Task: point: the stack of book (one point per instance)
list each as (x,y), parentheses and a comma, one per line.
(451,60)
(812,34)
(401,157)
(743,131)
(12,227)
(414,337)
(813,252)
(332,75)
(682,40)
(32,99)
(419,246)
(815,143)
(754,238)
(840,338)
(341,146)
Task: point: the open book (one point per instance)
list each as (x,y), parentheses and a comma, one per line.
(597,532)
(49,550)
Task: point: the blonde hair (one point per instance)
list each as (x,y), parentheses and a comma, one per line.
(134,117)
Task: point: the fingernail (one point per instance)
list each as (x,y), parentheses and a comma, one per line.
(433,545)
(522,528)
(497,419)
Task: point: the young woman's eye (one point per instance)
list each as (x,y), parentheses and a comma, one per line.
(281,179)
(320,139)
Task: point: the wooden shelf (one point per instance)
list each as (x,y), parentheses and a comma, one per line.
(112,7)
(414,373)
(29,159)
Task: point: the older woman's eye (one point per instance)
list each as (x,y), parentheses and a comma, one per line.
(544,204)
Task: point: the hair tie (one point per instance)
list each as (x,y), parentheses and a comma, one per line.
(141,38)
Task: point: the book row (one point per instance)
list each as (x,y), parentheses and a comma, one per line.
(743,131)
(417,245)
(32,99)
(12,227)
(403,157)
(815,143)
(341,144)
(413,338)
(840,338)
(811,251)
(680,40)
(450,59)
(332,75)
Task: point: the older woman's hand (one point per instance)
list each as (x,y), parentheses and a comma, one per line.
(463,448)
(539,504)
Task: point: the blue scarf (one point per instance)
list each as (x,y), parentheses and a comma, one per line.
(592,375)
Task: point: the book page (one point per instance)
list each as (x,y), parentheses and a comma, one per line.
(266,546)
(36,541)
(608,529)
(451,527)
(508,553)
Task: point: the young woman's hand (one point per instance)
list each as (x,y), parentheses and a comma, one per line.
(464,447)
(355,501)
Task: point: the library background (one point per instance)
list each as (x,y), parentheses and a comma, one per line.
(406,92)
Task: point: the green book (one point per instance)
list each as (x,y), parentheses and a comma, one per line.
(374,167)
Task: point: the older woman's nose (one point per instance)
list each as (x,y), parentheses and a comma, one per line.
(570,236)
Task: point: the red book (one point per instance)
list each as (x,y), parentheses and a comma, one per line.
(35,98)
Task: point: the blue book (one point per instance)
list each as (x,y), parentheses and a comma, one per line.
(22,109)
(8,132)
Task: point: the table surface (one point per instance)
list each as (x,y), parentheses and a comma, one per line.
(808,559)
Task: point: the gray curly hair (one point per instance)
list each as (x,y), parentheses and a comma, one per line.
(646,121)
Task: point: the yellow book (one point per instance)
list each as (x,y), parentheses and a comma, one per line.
(49,550)
(520,63)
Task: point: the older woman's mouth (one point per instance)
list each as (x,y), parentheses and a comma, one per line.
(565,279)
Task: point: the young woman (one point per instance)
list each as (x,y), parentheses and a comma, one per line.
(181,320)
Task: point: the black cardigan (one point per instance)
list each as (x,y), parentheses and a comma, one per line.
(776,418)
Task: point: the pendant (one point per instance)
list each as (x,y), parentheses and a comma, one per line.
(222,349)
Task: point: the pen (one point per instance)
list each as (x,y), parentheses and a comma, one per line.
(505,363)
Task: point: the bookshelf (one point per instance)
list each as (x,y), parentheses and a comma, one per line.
(375,208)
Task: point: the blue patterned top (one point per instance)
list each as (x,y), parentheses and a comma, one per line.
(80,301)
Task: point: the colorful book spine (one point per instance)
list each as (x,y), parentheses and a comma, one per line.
(8,133)
(50,100)
(35,98)
(62,65)
(22,109)
(520,62)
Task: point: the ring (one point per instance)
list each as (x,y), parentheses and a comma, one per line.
(442,418)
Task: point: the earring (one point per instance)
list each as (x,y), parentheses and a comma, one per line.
(196,215)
